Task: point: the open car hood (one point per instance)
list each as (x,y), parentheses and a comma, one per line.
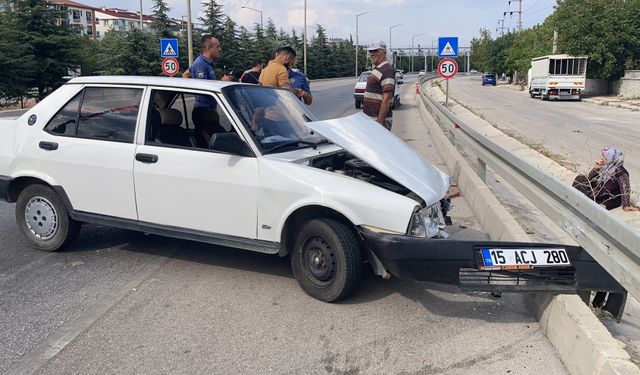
(384,151)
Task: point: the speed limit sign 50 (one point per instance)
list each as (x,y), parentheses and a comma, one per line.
(170,66)
(447,68)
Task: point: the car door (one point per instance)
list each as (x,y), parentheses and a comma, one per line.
(180,182)
(87,148)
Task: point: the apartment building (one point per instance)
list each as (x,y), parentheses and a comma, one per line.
(78,17)
(120,20)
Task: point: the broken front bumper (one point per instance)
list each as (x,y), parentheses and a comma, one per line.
(456,262)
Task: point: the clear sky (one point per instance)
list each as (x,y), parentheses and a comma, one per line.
(432,18)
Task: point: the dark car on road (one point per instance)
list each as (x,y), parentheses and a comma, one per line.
(489,79)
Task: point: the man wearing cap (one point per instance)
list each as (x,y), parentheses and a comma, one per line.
(381,85)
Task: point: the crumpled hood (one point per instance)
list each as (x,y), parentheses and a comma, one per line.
(384,151)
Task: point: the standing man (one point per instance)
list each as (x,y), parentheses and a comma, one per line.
(381,85)
(276,73)
(300,85)
(203,68)
(252,75)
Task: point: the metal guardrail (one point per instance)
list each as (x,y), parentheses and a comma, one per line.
(609,240)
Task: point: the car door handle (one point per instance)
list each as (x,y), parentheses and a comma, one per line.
(49,146)
(147,158)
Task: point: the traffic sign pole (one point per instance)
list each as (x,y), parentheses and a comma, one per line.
(447,68)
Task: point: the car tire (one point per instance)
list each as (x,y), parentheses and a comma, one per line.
(43,219)
(326,259)
(358,104)
(531,94)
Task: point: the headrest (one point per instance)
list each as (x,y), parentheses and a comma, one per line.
(205,115)
(154,117)
(170,117)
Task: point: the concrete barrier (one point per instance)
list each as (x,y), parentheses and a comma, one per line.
(582,342)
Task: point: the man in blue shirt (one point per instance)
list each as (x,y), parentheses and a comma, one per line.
(300,84)
(203,68)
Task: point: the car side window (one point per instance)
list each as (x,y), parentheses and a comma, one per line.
(104,113)
(175,119)
(64,122)
(109,113)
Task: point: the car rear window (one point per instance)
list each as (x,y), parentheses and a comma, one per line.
(364,77)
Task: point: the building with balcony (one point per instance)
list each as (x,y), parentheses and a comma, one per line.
(120,20)
(78,17)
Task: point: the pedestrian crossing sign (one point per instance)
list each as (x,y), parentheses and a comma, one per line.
(448,47)
(169,47)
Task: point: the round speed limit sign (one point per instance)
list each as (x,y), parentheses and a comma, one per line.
(447,68)
(170,66)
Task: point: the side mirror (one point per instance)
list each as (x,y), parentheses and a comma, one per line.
(230,143)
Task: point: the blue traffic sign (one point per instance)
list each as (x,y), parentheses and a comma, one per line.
(448,46)
(169,47)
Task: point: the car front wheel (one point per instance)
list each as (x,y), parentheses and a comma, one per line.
(358,104)
(43,218)
(326,259)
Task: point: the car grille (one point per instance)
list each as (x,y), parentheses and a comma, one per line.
(536,280)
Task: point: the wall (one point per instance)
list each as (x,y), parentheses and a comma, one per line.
(630,85)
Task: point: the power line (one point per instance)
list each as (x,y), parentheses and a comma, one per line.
(533,6)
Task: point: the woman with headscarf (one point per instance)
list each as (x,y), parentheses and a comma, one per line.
(608,182)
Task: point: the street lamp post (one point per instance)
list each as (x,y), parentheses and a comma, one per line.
(412,52)
(432,51)
(189,36)
(256,10)
(391,52)
(357,41)
(304,44)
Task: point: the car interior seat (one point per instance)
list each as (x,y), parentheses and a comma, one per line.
(206,122)
(170,131)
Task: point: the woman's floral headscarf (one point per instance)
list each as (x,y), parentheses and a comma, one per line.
(614,160)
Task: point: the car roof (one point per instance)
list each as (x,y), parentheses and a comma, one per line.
(187,83)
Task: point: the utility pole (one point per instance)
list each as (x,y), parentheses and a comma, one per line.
(304,45)
(519,12)
(501,28)
(555,41)
(189,35)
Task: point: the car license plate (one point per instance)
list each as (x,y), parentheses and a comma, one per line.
(523,259)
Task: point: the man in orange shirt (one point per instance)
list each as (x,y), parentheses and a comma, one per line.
(276,73)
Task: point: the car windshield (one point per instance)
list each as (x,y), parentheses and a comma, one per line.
(274,117)
(364,76)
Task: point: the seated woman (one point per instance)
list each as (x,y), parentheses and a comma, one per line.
(608,182)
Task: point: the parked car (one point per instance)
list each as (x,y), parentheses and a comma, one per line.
(399,76)
(252,169)
(489,79)
(421,73)
(361,85)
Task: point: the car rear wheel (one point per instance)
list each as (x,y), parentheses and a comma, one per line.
(43,218)
(358,104)
(326,259)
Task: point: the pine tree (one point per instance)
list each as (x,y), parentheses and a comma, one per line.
(229,42)
(319,56)
(53,48)
(161,24)
(15,58)
(212,18)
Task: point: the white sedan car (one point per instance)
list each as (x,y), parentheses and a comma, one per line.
(249,167)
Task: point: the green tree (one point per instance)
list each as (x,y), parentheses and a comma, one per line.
(212,18)
(53,48)
(132,53)
(161,24)
(319,55)
(16,58)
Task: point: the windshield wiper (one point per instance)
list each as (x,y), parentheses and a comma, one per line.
(296,142)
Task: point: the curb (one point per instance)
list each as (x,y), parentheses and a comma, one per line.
(583,344)
(631,107)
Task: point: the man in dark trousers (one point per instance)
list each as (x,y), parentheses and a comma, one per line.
(381,85)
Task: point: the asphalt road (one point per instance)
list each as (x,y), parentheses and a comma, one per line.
(118,301)
(574,130)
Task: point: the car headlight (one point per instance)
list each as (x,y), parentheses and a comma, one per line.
(428,223)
